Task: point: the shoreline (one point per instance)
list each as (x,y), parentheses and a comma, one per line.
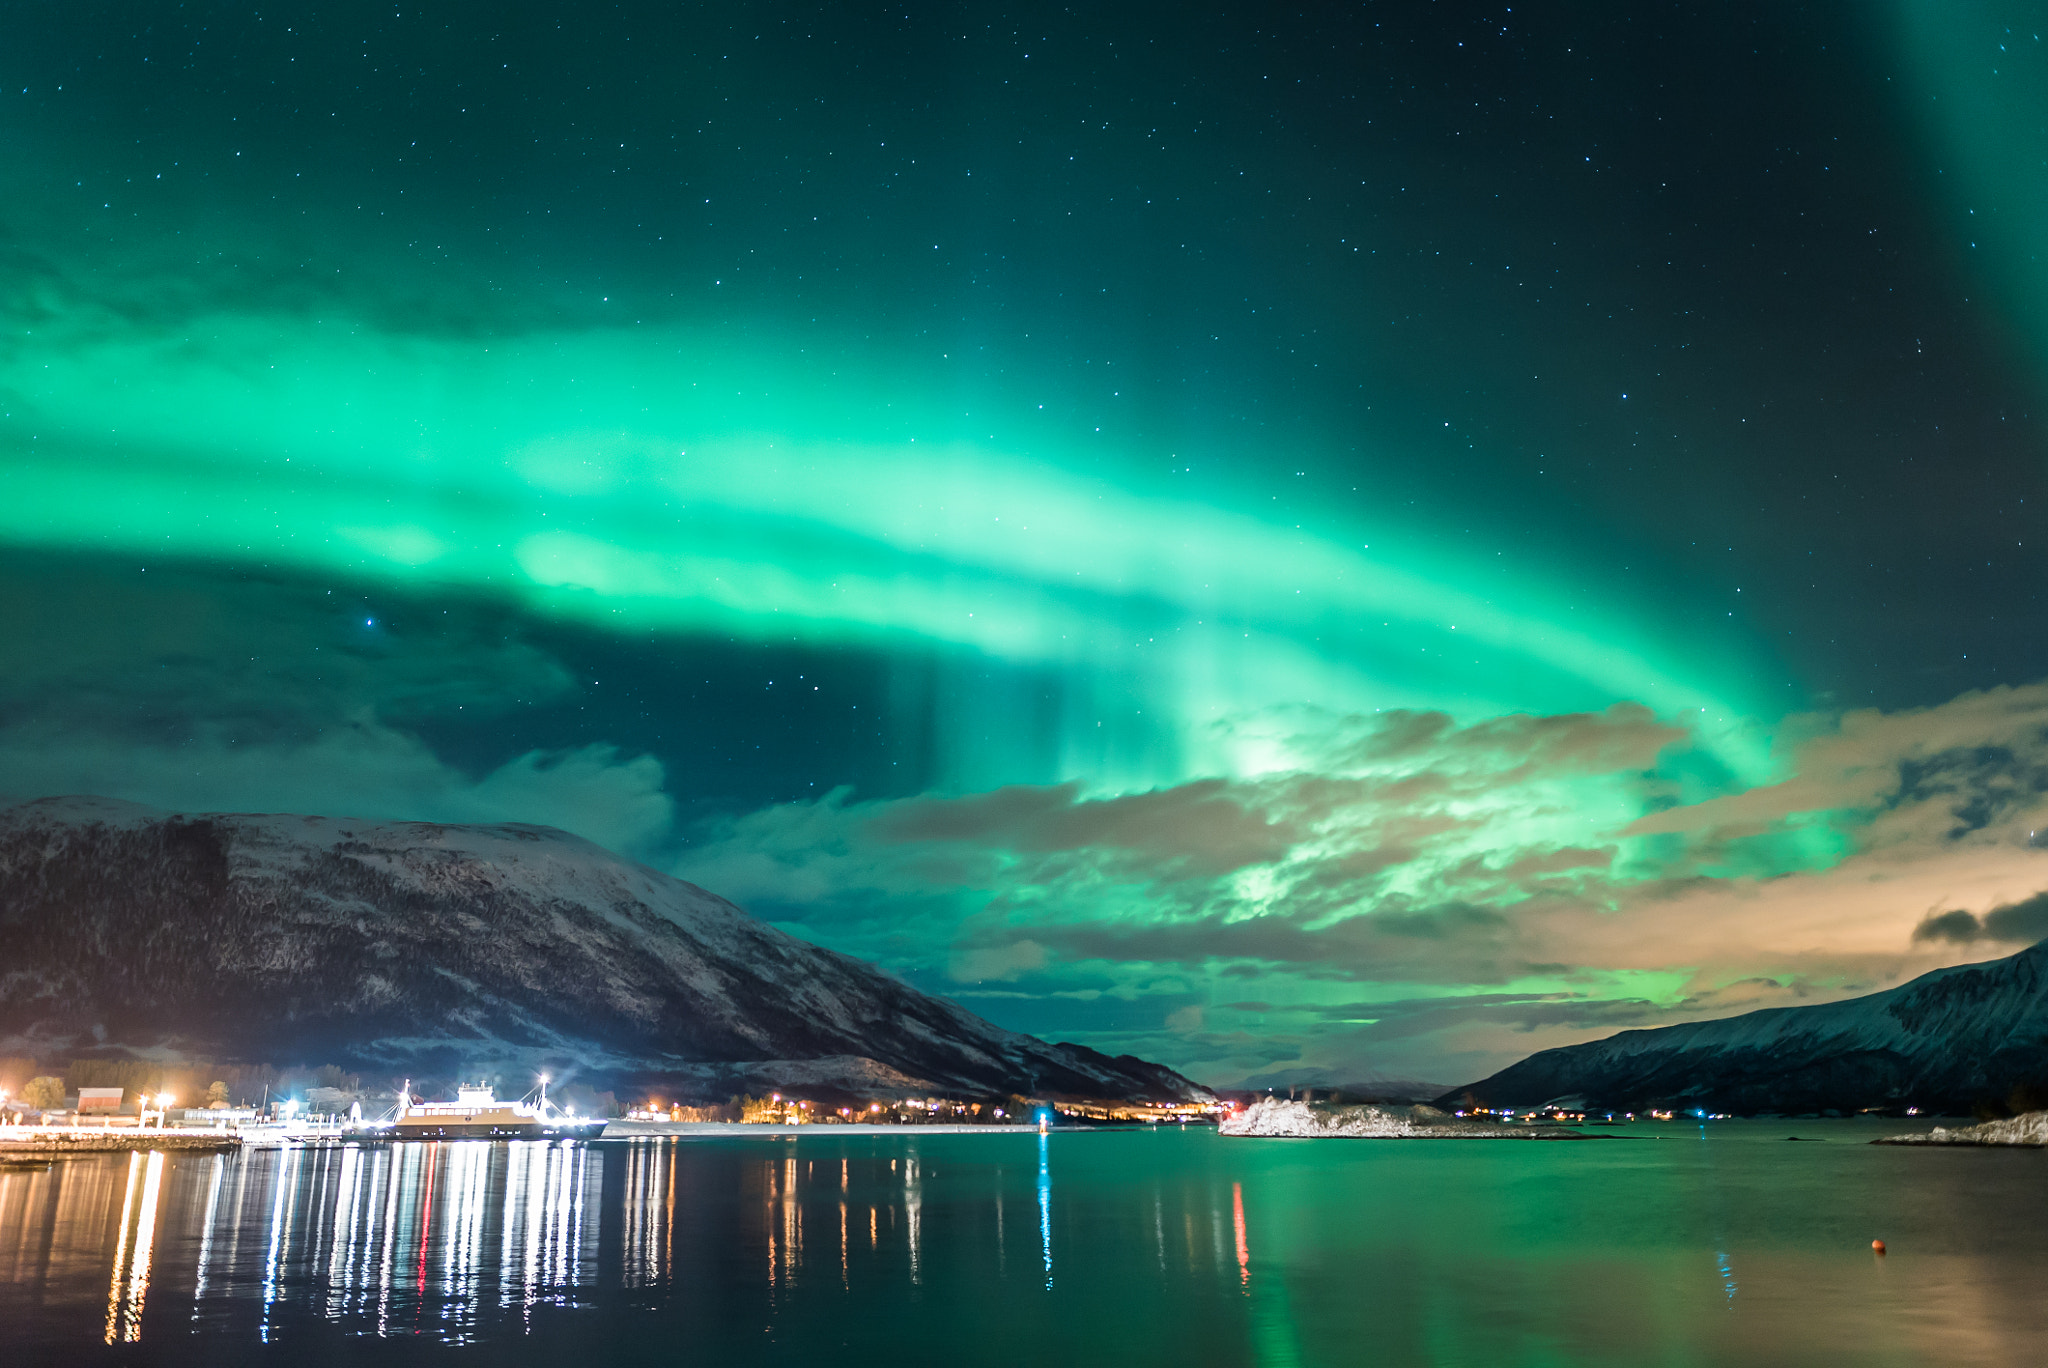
(36,1142)
(1284,1118)
(2026,1131)
(711,1130)
(32,1142)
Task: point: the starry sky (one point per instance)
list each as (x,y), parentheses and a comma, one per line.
(1360,541)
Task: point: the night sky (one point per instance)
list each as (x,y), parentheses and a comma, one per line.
(1297,542)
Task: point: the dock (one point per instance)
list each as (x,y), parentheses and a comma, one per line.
(50,1142)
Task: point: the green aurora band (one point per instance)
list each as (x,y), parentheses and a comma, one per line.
(637,481)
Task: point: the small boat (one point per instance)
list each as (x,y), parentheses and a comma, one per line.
(474,1114)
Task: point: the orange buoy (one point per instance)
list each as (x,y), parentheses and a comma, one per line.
(1877,1245)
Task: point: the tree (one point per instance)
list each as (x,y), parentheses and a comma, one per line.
(44,1093)
(217,1094)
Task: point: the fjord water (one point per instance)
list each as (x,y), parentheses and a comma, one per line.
(1723,1244)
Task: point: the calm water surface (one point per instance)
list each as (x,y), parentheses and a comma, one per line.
(1722,1246)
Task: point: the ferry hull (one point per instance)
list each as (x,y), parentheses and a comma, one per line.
(469,1130)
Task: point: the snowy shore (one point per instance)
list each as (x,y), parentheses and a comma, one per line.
(2028,1130)
(1285,1118)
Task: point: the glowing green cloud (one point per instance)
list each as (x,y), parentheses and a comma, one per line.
(636,480)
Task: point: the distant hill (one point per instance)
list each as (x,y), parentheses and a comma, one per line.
(1357,1085)
(440,951)
(1944,1042)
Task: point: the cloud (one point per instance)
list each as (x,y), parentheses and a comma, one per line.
(186,688)
(1951,770)
(144,647)
(1004,963)
(1395,850)
(2023,922)
(1545,879)
(594,791)
(1957,926)
(1202,828)
(1625,736)
(361,770)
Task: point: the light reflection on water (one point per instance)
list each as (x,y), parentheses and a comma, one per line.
(404,1238)
(134,1245)
(1152,1247)
(1045,1205)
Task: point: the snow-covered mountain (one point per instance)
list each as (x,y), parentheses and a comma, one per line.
(407,947)
(1942,1042)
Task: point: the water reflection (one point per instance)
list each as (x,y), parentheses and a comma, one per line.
(135,1244)
(913,1215)
(1045,1206)
(400,1239)
(649,1216)
(782,1219)
(216,1171)
(381,1240)
(886,1197)
(1244,1252)
(752,1249)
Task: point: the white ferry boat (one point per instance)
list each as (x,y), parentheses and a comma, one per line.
(475,1113)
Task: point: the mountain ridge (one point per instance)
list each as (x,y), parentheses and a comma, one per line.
(414,946)
(1949,1040)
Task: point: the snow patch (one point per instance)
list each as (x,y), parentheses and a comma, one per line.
(1284,1117)
(2030,1129)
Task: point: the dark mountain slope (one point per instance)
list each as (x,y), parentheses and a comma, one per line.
(1943,1042)
(411,947)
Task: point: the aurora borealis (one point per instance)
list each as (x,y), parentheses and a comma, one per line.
(1374,539)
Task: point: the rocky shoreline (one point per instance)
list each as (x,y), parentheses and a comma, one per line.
(1285,1118)
(2029,1131)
